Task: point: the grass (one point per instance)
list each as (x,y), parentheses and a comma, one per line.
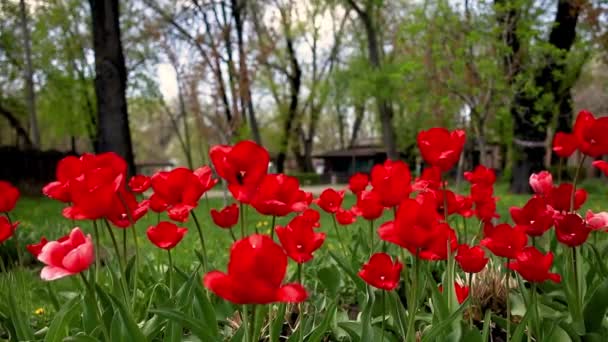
(42,217)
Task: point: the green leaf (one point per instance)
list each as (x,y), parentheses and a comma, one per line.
(80,338)
(520,329)
(60,325)
(353,329)
(277,323)
(487,323)
(152,327)
(19,320)
(436,330)
(399,311)
(317,333)
(329,277)
(130,327)
(596,307)
(367,334)
(352,274)
(195,326)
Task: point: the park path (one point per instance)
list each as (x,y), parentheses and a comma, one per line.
(316,190)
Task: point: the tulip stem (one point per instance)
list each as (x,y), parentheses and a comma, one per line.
(333,217)
(383,308)
(536,320)
(121,265)
(413,306)
(371,238)
(98,311)
(507,278)
(14,233)
(202,238)
(245,323)
(97,250)
(170,273)
(471,304)
(574,182)
(300,309)
(242,212)
(136,270)
(124,245)
(272,226)
(466,230)
(232,234)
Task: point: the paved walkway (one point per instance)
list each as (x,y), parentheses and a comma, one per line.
(316,190)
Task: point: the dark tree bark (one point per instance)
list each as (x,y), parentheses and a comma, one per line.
(359,115)
(529,136)
(111,82)
(385,107)
(19,129)
(29,77)
(238,9)
(295,79)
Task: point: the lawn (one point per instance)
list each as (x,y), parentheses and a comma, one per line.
(39,216)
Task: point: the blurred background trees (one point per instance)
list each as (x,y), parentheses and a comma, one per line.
(302,77)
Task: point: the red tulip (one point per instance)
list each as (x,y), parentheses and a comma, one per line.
(564,144)
(330,200)
(7,229)
(471,259)
(243,166)
(430,178)
(166,235)
(255,272)
(391,181)
(180,190)
(299,239)
(139,183)
(481,192)
(36,248)
(368,205)
(486,209)
(358,182)
(413,226)
(440,147)
(125,211)
(227,217)
(601,165)
(8,196)
(465,206)
(70,255)
(462,292)
(67,169)
(597,221)
(157,204)
(505,241)
(381,272)
(345,217)
(591,134)
(443,197)
(312,216)
(93,192)
(561,195)
(437,248)
(279,195)
(571,230)
(534,266)
(541,183)
(534,218)
(481,175)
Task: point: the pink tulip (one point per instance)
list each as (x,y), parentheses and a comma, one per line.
(70,256)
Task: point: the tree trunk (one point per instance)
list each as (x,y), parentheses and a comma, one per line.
(529,138)
(244,85)
(385,107)
(14,122)
(359,115)
(30,94)
(295,79)
(111,82)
